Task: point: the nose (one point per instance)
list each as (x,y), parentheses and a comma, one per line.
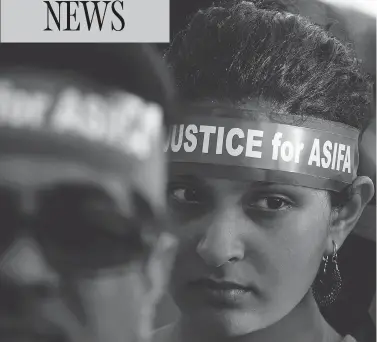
(222,242)
(24,264)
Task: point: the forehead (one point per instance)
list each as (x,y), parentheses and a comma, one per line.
(51,115)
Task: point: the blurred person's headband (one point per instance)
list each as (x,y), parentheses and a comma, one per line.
(135,68)
(127,115)
(309,152)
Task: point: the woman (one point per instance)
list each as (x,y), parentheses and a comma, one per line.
(264,183)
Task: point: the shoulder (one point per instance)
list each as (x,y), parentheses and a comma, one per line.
(165,334)
(348,338)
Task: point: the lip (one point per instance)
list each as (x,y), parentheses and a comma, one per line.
(222,293)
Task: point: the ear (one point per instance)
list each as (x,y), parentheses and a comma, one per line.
(157,271)
(345,218)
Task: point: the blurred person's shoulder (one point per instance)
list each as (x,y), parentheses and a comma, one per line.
(348,338)
(166,334)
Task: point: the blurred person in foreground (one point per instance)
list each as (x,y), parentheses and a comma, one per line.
(264,184)
(83,257)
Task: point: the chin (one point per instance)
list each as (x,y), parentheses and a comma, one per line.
(228,323)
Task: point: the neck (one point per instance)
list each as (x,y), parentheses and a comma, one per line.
(303,323)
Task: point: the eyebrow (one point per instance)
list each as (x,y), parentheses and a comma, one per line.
(190,178)
(290,189)
(264,184)
(268,184)
(250,185)
(196,179)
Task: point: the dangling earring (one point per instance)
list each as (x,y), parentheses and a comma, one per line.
(328,283)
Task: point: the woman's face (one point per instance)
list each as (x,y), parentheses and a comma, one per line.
(249,251)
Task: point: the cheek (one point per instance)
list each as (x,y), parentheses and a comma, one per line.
(187,263)
(293,251)
(113,302)
(189,232)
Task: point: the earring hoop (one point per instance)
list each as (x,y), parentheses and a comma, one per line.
(328,282)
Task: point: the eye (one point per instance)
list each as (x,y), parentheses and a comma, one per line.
(188,194)
(185,194)
(270,203)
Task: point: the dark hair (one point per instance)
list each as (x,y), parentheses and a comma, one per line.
(137,68)
(256,49)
